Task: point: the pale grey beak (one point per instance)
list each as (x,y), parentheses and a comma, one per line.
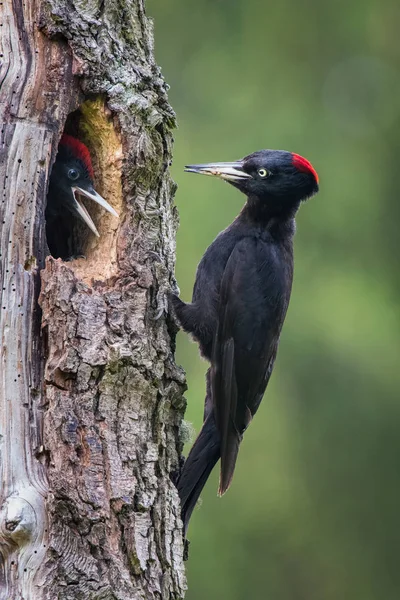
(81,210)
(230,171)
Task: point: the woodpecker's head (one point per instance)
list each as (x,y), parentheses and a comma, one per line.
(272,176)
(71,177)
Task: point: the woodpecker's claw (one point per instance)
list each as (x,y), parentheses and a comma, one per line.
(160,311)
(164,287)
(162,303)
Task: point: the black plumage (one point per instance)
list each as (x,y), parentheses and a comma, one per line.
(240,298)
(71,179)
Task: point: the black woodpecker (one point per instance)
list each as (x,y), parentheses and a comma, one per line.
(71,177)
(240,298)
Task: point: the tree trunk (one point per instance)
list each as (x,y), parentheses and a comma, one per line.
(90,396)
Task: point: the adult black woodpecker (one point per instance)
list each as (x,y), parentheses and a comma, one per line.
(71,177)
(240,298)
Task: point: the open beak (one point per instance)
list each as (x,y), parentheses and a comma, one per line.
(81,210)
(229,171)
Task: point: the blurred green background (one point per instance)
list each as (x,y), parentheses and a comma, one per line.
(313,512)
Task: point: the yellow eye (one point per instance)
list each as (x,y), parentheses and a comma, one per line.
(262,172)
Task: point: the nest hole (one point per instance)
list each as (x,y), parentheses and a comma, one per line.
(69,236)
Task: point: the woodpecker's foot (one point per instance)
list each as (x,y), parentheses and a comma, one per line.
(185,314)
(175,304)
(162,304)
(164,286)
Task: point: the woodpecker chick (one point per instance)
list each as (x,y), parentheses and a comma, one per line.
(240,298)
(71,178)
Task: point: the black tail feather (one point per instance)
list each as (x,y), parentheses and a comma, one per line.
(197,468)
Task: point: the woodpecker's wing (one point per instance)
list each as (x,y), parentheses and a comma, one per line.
(253,302)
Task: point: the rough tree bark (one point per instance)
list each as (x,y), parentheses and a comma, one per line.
(90,396)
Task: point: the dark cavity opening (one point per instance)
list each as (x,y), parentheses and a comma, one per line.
(71,214)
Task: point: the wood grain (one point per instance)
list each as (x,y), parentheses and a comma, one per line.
(34,102)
